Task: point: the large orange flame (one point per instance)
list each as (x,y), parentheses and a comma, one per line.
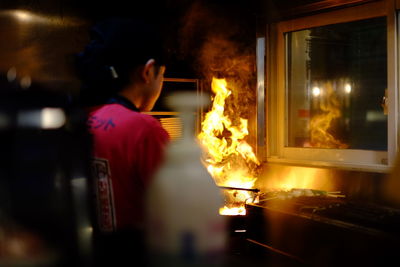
(229,158)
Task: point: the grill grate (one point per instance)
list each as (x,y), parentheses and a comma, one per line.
(358,213)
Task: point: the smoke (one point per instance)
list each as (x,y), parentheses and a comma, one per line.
(222,46)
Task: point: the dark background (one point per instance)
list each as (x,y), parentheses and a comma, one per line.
(54,47)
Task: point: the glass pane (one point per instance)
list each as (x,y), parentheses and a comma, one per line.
(336,86)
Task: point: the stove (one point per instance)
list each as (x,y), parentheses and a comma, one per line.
(319,229)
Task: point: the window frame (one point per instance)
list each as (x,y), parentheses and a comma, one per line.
(366,160)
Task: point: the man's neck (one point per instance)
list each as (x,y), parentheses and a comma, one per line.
(133,97)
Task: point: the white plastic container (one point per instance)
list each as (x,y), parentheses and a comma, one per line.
(184,227)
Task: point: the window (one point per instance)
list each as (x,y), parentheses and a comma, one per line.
(336,83)
(335,89)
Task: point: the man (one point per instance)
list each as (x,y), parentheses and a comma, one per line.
(122,75)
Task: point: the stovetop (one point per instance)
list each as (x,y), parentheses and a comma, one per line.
(317,228)
(336,210)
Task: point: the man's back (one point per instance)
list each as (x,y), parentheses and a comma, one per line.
(128,148)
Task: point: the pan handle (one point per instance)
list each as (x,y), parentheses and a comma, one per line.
(240,189)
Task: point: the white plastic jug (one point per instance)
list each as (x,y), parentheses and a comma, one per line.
(184,227)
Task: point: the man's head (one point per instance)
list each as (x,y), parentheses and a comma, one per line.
(146,84)
(124,56)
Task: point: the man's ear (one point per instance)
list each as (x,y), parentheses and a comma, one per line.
(148,71)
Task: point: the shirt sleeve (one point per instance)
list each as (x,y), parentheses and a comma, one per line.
(151,151)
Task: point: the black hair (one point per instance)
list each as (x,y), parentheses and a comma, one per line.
(117,46)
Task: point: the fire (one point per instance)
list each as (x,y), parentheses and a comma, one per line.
(232,211)
(320,124)
(230,159)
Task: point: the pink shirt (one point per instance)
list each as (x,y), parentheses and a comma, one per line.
(127,148)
